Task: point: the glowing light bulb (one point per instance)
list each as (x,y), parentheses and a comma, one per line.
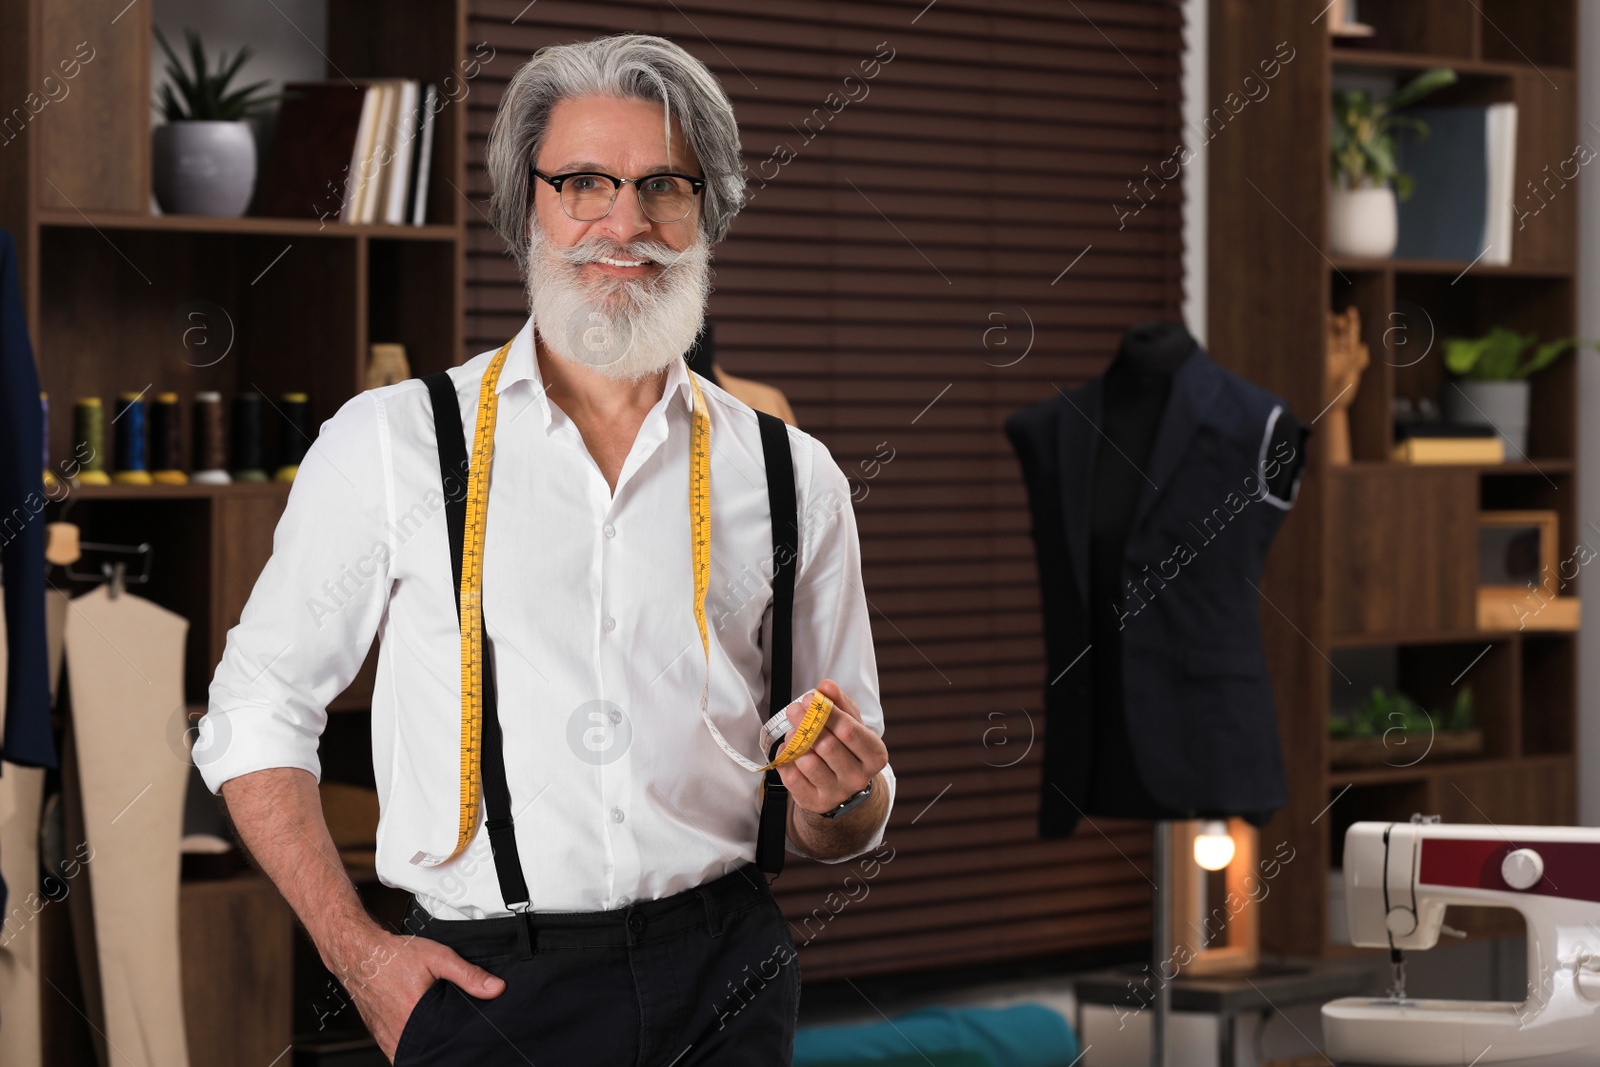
(1213,847)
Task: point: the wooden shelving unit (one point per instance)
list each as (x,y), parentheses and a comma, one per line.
(109,288)
(1379,558)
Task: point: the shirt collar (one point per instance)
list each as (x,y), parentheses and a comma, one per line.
(521,365)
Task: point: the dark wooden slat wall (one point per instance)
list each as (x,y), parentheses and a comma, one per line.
(869,279)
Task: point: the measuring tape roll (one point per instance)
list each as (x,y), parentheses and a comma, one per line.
(805,734)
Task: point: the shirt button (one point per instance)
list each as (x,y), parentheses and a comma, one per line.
(616,716)
(610,530)
(609,623)
(623,900)
(616,815)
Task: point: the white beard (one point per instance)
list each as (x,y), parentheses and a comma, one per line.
(624,328)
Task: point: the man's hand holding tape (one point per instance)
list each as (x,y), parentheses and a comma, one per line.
(843,761)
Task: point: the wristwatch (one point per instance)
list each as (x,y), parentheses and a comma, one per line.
(851,804)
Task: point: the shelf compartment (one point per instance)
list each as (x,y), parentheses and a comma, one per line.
(247,225)
(1549,694)
(1527,792)
(1394,570)
(1431,674)
(185,312)
(1366,800)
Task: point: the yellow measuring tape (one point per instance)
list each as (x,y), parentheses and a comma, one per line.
(817,710)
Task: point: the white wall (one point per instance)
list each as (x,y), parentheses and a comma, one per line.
(1196,43)
(287,37)
(1589,409)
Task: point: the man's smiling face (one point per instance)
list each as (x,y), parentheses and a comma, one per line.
(622,294)
(620,137)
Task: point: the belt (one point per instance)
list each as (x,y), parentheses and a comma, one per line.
(705,905)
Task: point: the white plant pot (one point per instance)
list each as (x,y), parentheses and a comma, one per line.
(1503,405)
(1363,222)
(203,167)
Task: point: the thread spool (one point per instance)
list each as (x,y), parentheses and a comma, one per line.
(247,463)
(294,438)
(89,441)
(130,435)
(210,445)
(166,441)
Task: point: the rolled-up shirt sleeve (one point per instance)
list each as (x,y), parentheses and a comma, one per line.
(314,611)
(832,629)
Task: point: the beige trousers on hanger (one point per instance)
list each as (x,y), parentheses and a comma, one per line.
(125,668)
(21,797)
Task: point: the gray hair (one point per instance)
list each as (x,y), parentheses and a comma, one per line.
(625,65)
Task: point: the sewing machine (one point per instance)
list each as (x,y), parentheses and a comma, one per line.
(1399,877)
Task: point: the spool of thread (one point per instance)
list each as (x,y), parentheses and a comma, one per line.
(129,421)
(166,441)
(89,441)
(247,465)
(44,444)
(295,437)
(210,446)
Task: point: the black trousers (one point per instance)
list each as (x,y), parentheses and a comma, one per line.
(707,976)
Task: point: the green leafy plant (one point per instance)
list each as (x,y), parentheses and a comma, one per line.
(202,94)
(1497,356)
(1384,711)
(1363,148)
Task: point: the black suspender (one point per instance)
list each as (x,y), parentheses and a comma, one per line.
(785,557)
(496,792)
(453,466)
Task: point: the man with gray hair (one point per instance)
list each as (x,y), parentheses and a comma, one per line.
(586,675)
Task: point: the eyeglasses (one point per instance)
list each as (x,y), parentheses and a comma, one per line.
(587,197)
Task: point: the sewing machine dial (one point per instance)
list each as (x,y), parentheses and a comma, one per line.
(1522,868)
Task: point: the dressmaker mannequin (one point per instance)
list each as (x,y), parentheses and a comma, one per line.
(764,398)
(1137,385)
(125,789)
(21,802)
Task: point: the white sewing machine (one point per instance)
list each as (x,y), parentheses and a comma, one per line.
(1398,879)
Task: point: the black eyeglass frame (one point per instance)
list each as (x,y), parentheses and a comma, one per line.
(555,181)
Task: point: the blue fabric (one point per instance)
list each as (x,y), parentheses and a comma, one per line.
(27,738)
(1027,1035)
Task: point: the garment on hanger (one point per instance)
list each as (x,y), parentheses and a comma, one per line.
(768,399)
(1155,492)
(26,738)
(125,788)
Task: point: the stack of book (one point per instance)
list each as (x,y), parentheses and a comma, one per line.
(351,152)
(1424,442)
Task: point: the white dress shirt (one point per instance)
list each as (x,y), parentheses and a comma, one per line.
(618,790)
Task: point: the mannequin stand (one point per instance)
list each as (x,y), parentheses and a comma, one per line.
(1161,942)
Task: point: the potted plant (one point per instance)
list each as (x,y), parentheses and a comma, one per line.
(1492,380)
(1392,729)
(1362,217)
(205,155)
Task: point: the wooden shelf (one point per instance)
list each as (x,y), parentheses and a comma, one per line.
(1535,467)
(108,220)
(1376,566)
(1492,68)
(1422,637)
(1448,267)
(176,492)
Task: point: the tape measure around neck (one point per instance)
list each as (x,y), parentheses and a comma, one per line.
(471,615)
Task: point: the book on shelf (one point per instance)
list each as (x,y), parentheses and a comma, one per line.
(1463,174)
(1444,450)
(356,152)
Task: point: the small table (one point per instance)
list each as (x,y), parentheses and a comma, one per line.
(1275,983)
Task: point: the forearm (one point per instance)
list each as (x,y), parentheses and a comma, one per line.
(278,813)
(831,839)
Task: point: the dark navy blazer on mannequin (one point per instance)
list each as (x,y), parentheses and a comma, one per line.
(1196,692)
(27,739)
